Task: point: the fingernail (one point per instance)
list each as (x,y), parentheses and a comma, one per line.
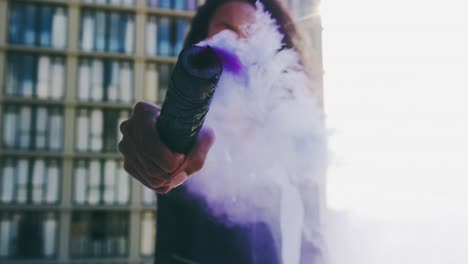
(179,179)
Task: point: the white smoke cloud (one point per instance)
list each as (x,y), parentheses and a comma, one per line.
(269,159)
(356,240)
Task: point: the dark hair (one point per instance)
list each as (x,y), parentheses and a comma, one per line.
(292,38)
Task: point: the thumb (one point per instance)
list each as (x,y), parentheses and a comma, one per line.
(196,158)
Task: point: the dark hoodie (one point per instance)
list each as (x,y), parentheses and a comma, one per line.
(188,233)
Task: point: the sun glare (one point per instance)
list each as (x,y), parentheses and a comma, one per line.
(396,85)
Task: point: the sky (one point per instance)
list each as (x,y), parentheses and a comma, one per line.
(396,86)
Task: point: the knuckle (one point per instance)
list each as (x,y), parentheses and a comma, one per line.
(123,126)
(197,164)
(171,167)
(171,164)
(178,159)
(150,170)
(139,107)
(153,171)
(145,110)
(122,146)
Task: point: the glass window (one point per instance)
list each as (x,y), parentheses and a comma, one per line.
(105,31)
(147,234)
(29,181)
(30,75)
(26,235)
(98,130)
(101,182)
(148,196)
(151,83)
(164,73)
(38,25)
(33,127)
(175,4)
(111,2)
(99,234)
(165,35)
(105,80)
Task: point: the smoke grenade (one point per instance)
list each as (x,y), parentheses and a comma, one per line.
(191,89)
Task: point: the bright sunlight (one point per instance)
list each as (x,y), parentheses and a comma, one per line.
(396,99)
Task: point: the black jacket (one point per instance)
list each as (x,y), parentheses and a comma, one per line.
(187,233)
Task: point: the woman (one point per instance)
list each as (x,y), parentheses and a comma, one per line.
(186,231)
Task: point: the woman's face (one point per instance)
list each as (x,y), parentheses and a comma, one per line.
(234,16)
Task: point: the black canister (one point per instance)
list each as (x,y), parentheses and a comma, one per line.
(191,89)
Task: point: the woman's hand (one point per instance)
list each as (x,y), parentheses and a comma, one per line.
(148,160)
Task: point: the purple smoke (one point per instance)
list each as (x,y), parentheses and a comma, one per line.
(230,61)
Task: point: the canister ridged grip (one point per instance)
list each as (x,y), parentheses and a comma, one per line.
(191,89)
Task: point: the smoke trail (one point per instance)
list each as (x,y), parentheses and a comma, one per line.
(269,159)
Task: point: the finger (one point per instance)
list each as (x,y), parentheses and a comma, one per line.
(149,169)
(134,169)
(178,179)
(196,158)
(124,127)
(144,116)
(143,106)
(123,146)
(147,140)
(152,170)
(160,154)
